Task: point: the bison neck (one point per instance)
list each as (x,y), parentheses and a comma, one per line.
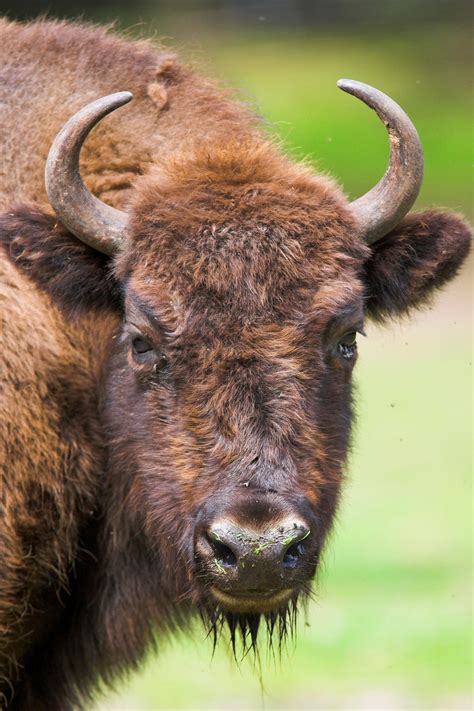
(54,455)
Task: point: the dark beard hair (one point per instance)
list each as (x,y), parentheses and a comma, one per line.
(245,628)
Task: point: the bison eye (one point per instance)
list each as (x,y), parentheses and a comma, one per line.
(141,345)
(145,353)
(347,346)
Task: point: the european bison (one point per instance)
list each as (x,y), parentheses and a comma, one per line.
(178,337)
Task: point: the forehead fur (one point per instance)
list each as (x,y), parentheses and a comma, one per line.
(241,218)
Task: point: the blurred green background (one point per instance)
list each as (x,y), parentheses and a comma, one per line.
(391,627)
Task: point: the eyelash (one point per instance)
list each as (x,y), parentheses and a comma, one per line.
(348,349)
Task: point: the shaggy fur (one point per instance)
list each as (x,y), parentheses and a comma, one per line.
(243,271)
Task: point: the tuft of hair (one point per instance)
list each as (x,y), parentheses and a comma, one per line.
(248,632)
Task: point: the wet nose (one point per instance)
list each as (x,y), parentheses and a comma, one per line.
(249,559)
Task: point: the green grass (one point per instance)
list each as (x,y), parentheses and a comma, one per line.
(391,625)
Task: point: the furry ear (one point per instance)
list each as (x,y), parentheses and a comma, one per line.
(409,264)
(76,277)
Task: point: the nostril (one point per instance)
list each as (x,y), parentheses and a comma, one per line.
(293,554)
(223,554)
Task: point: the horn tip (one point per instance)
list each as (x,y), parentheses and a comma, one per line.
(123,97)
(350,85)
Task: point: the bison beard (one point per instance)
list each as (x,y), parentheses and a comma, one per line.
(176,358)
(244,628)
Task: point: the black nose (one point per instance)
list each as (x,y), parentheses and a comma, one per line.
(252,562)
(281,546)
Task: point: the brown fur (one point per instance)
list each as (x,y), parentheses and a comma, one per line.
(253,272)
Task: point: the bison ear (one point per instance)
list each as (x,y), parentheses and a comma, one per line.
(76,277)
(415,259)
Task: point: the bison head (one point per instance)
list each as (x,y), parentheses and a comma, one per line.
(245,282)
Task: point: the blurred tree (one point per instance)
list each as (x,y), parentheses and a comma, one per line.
(280,13)
(311,13)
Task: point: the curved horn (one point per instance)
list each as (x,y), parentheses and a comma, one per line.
(382,208)
(100,226)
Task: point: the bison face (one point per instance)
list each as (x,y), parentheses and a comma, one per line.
(228,404)
(229,401)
